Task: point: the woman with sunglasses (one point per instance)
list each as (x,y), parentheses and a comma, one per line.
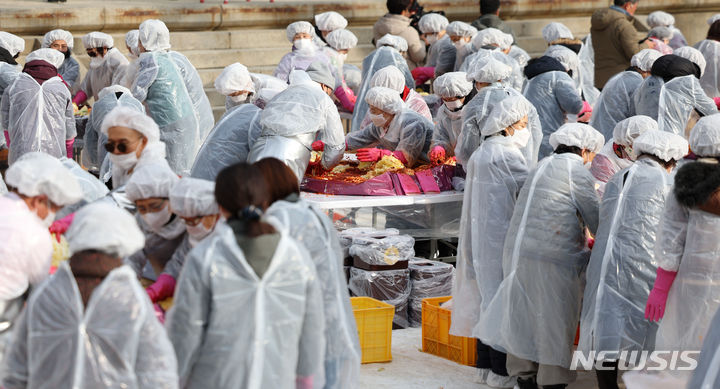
(133,140)
(107,66)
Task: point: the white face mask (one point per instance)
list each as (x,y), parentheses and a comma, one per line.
(431,39)
(124,161)
(96,62)
(453,105)
(378,120)
(521,137)
(197,233)
(304,44)
(156,220)
(241,98)
(460,44)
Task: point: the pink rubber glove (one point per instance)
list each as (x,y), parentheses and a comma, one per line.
(371,154)
(7,138)
(80,98)
(69,147)
(303,382)
(655,308)
(159,313)
(318,145)
(437,154)
(400,156)
(59,227)
(585,113)
(422,74)
(163,288)
(717,102)
(347,97)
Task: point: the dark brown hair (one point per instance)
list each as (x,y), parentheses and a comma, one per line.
(714,31)
(279,178)
(241,190)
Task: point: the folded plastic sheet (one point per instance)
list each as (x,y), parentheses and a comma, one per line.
(346,236)
(383,251)
(390,286)
(427,279)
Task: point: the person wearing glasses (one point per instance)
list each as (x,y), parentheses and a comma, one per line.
(107,66)
(133,140)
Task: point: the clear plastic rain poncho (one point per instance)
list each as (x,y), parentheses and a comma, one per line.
(647,96)
(587,71)
(103,71)
(516,79)
(389,77)
(519,55)
(339,40)
(37,117)
(300,57)
(292,121)
(70,69)
(687,244)
(554,95)
(235,78)
(544,256)
(572,61)
(441,54)
(8,72)
(622,266)
(283,339)
(464,49)
(312,229)
(710,80)
(131,41)
(495,174)
(448,123)
(94,152)
(92,188)
(229,142)
(679,97)
(707,373)
(380,58)
(196,90)
(664,19)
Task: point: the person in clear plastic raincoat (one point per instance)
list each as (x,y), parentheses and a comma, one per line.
(495,174)
(166,239)
(229,142)
(304,51)
(622,265)
(491,39)
(36,109)
(10,48)
(340,42)
(707,373)
(172,91)
(454,89)
(248,309)
(664,69)
(710,49)
(193,200)
(133,140)
(236,84)
(94,152)
(395,130)
(664,19)
(534,315)
(490,76)
(312,229)
(298,116)
(391,77)
(616,100)
(131,71)
(326,23)
(580,71)
(107,66)
(554,94)
(39,186)
(685,292)
(91,324)
(679,97)
(441,55)
(461,34)
(62,41)
(92,189)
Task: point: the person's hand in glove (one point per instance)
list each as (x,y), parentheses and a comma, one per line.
(422,74)
(585,113)
(655,308)
(437,155)
(161,289)
(59,227)
(69,147)
(303,382)
(717,102)
(318,145)
(159,313)
(372,154)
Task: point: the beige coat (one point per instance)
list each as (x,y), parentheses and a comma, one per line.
(400,25)
(615,39)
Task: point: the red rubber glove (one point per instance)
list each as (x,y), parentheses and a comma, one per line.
(318,145)
(7,138)
(422,74)
(159,313)
(371,154)
(60,226)
(347,97)
(400,156)
(163,288)
(655,308)
(717,102)
(69,147)
(80,98)
(585,113)
(303,382)
(437,155)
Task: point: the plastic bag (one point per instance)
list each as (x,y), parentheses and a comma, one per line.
(427,279)
(383,251)
(390,286)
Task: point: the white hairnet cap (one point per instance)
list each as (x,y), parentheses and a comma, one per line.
(389,77)
(341,39)
(56,35)
(154,35)
(705,136)
(567,57)
(330,21)
(193,197)
(713,19)
(320,72)
(385,99)
(506,113)
(112,89)
(51,56)
(578,135)
(661,32)
(489,69)
(662,144)
(37,173)
(297,28)
(463,29)
(397,42)
(97,39)
(12,43)
(452,84)
(645,59)
(432,22)
(131,40)
(234,78)
(122,116)
(492,37)
(555,31)
(693,55)
(104,227)
(150,181)
(263,81)
(660,19)
(627,130)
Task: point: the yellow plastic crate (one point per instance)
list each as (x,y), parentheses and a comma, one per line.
(436,338)
(374,322)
